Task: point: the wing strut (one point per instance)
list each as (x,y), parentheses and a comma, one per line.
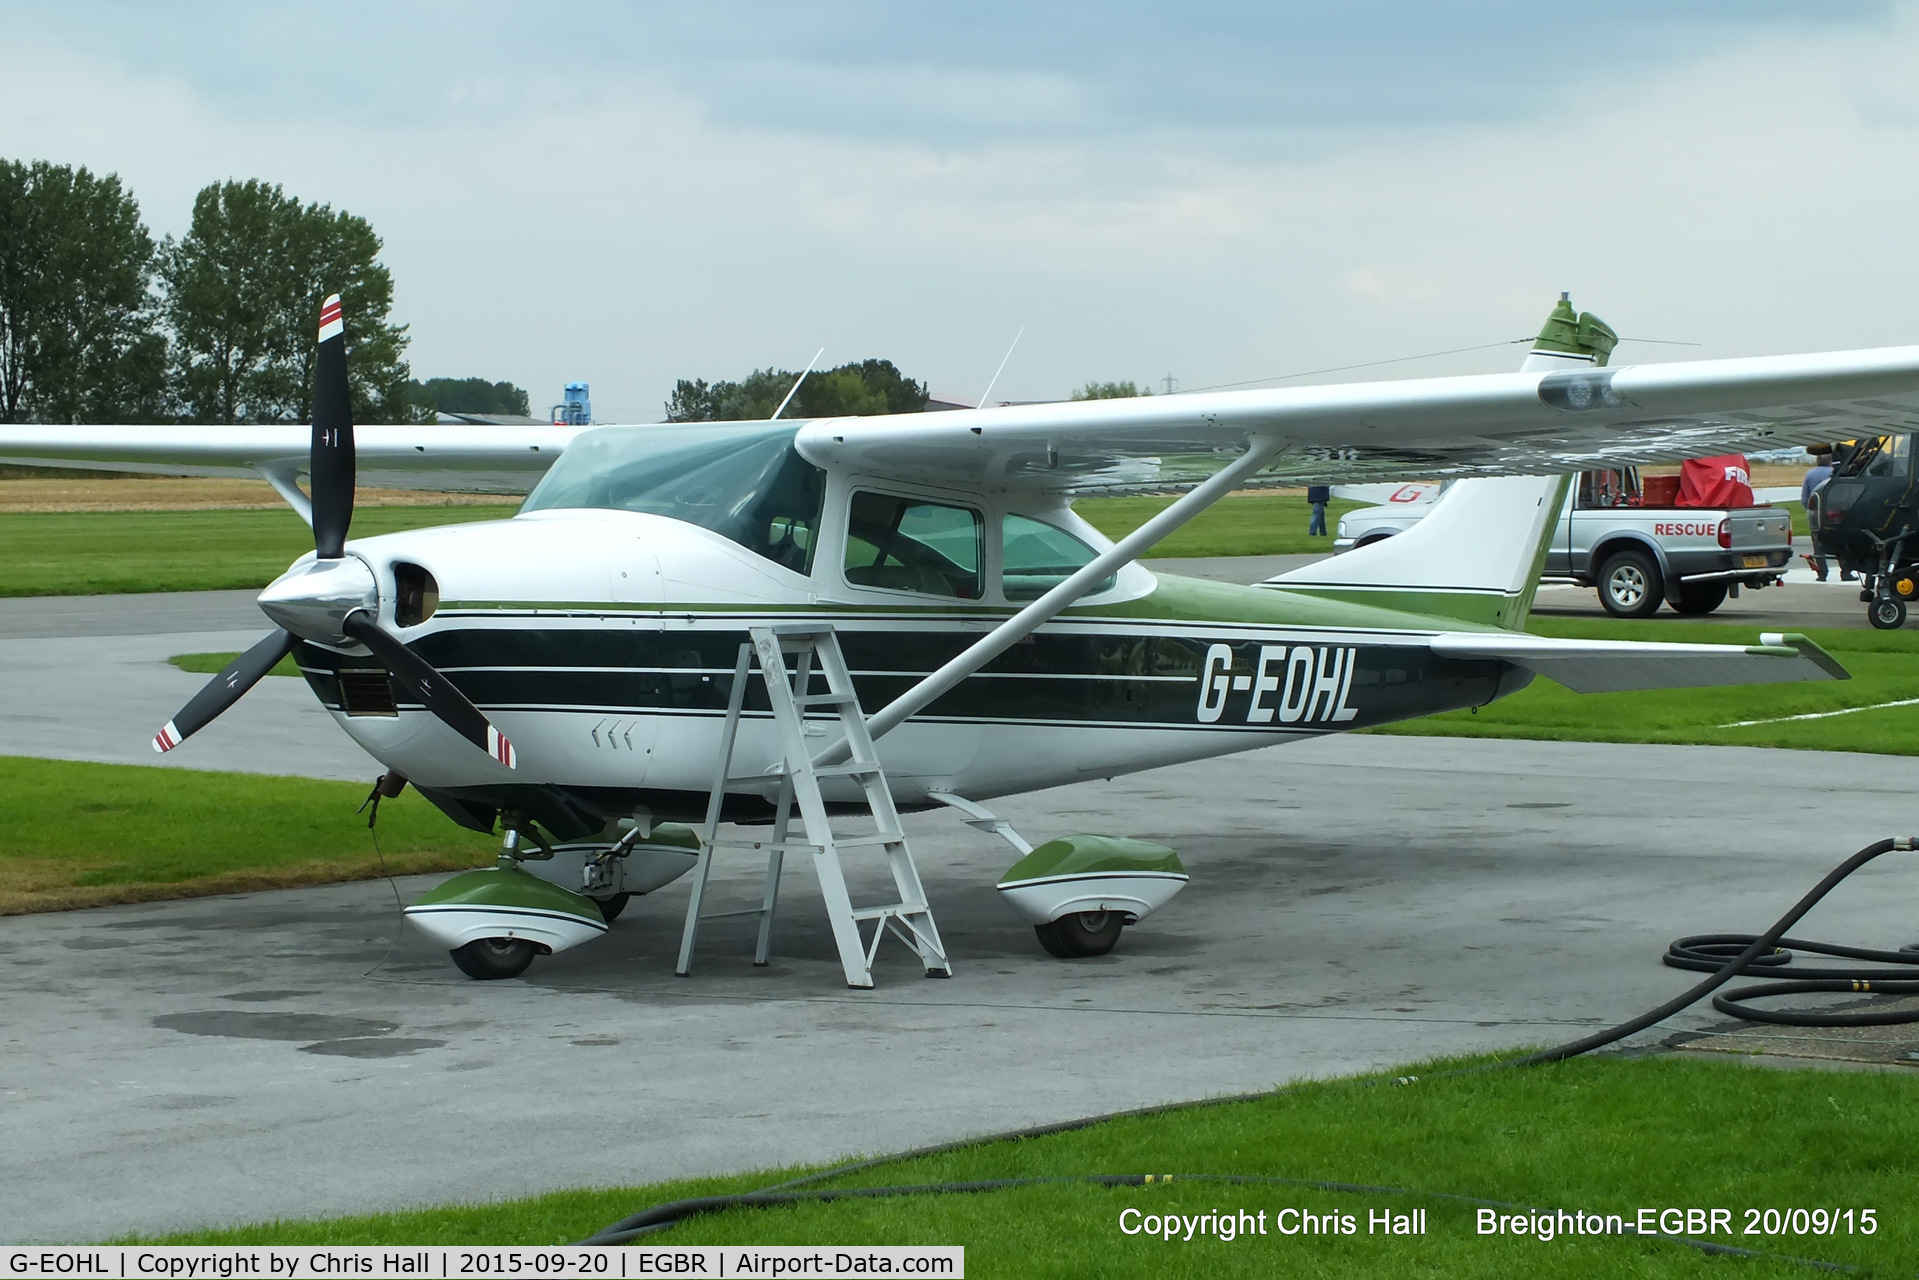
(1260,451)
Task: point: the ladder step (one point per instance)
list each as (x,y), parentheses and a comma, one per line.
(861,842)
(767,846)
(895,909)
(829,700)
(851,769)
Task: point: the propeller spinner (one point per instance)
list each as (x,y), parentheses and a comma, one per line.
(335,599)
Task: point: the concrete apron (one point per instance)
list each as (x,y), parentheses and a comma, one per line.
(1356,903)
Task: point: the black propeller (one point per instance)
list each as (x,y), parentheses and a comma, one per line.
(225,689)
(330,463)
(330,469)
(435,692)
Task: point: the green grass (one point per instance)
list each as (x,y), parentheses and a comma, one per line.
(1593,1135)
(212,664)
(1883,665)
(1241,524)
(102,552)
(82,834)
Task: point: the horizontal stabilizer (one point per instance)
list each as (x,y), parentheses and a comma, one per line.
(1612,666)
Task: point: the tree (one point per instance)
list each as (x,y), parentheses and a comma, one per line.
(1110,391)
(77,316)
(851,390)
(244,287)
(468,395)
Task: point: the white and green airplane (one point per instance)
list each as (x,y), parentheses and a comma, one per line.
(567,671)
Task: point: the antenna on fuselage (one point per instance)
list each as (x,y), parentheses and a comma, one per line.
(1002,367)
(796,383)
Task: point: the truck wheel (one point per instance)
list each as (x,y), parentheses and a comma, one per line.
(1888,613)
(1629,585)
(1700,597)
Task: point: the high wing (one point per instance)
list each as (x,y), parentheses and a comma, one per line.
(1611,666)
(467,458)
(1530,423)
(1522,423)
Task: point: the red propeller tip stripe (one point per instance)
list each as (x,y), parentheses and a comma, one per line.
(331,323)
(167,739)
(500,749)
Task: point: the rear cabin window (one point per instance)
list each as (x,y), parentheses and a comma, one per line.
(1036,557)
(905,544)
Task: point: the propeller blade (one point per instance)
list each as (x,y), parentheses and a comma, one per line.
(432,689)
(225,689)
(330,465)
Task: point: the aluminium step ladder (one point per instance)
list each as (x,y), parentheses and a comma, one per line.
(813,646)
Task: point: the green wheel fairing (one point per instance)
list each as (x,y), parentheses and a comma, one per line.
(508,887)
(1083,854)
(506,902)
(1091,873)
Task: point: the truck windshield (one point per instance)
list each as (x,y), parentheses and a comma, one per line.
(743,480)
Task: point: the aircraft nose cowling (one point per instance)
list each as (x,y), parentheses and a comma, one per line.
(313,599)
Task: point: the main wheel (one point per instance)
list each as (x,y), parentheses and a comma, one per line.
(1084,933)
(490,958)
(610,908)
(1888,613)
(1700,597)
(1629,585)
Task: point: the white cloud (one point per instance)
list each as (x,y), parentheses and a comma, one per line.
(628,231)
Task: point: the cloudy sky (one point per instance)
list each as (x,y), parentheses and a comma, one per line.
(629,193)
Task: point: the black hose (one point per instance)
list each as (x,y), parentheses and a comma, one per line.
(1764,943)
(1756,953)
(1710,951)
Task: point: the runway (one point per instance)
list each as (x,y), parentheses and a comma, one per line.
(1356,903)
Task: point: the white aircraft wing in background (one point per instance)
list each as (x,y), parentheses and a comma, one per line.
(1519,423)
(466,458)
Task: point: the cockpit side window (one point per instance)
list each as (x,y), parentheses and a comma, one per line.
(744,481)
(1894,458)
(908,544)
(1036,557)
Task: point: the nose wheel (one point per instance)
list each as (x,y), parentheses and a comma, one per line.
(491,958)
(1887,613)
(1083,933)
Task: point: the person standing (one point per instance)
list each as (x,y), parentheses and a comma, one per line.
(1318,495)
(1817,474)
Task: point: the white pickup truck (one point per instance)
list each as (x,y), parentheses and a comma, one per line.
(1639,550)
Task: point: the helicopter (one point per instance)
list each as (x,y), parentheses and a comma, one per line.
(1866,517)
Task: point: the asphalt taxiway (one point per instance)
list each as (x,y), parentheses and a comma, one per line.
(1356,903)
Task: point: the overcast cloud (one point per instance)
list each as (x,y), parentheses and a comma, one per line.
(630,193)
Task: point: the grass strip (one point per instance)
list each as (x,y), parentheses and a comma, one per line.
(82,835)
(212,664)
(1881,663)
(1605,1135)
(1240,524)
(116,552)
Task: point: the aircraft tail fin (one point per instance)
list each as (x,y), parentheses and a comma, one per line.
(1477,555)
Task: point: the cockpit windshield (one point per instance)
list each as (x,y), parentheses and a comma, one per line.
(744,481)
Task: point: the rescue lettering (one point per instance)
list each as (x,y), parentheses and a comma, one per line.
(1685,529)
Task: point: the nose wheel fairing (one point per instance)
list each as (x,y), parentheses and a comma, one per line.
(506,903)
